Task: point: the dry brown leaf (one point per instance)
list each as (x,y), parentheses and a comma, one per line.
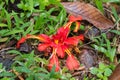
(89,13)
(116,74)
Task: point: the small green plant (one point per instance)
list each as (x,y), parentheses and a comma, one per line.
(14,25)
(99,4)
(102,72)
(32,67)
(5,75)
(102,44)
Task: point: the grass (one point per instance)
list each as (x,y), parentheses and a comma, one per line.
(104,45)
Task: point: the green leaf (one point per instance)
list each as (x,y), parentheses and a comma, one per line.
(43,70)
(117,1)
(19,62)
(82,27)
(17,20)
(6,78)
(112,1)
(13,52)
(3,39)
(107,72)
(115,31)
(112,53)
(94,70)
(12,1)
(100,75)
(3,25)
(31,5)
(30,28)
(102,66)
(22,69)
(13,32)
(99,48)
(5,74)
(105,78)
(8,19)
(99,5)
(115,13)
(1,65)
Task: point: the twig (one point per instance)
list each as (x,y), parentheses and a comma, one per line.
(18,75)
(5,49)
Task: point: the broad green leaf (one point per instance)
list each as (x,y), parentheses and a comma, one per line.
(107,72)
(102,66)
(100,75)
(94,70)
(99,48)
(105,78)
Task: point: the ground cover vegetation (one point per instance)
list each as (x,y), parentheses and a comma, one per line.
(59,39)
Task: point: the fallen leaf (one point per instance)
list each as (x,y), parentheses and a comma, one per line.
(88,58)
(116,74)
(89,13)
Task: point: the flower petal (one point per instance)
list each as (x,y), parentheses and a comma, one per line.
(61,34)
(42,47)
(22,40)
(60,51)
(81,37)
(71,41)
(44,38)
(72,63)
(54,62)
(74,18)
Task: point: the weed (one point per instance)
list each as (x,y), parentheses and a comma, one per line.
(104,45)
(102,72)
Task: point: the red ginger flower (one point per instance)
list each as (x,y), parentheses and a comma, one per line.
(60,42)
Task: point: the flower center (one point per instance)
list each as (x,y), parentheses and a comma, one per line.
(56,41)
